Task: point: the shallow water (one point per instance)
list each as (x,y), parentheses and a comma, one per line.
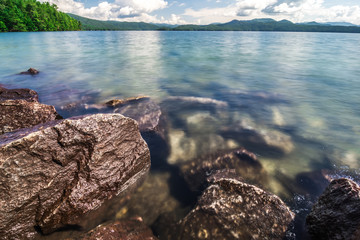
(301,89)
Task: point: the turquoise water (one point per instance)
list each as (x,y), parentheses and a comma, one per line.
(311,84)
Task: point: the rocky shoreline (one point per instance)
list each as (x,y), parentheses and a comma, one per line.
(75,178)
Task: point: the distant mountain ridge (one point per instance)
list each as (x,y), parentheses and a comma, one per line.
(92,24)
(260,24)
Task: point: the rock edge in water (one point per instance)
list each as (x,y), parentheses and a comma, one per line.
(336,215)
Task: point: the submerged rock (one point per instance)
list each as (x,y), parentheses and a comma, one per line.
(146,112)
(193,102)
(30,71)
(232,209)
(63,172)
(258,139)
(150,200)
(120,230)
(121,102)
(16,114)
(152,124)
(336,215)
(243,162)
(16,94)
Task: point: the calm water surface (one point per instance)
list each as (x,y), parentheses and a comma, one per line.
(303,87)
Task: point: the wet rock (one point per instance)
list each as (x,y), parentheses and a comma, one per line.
(121,102)
(152,124)
(244,163)
(120,230)
(258,139)
(336,215)
(16,114)
(232,209)
(63,172)
(30,71)
(16,94)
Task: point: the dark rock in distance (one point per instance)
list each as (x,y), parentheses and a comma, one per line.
(16,114)
(336,215)
(30,71)
(63,172)
(243,162)
(232,209)
(16,94)
(120,230)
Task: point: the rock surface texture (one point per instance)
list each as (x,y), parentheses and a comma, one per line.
(16,114)
(120,230)
(231,209)
(21,93)
(57,174)
(336,215)
(243,162)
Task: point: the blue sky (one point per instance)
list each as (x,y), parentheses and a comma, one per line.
(210,11)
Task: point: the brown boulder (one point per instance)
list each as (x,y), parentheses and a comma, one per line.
(62,172)
(21,93)
(120,230)
(244,163)
(16,114)
(232,209)
(336,215)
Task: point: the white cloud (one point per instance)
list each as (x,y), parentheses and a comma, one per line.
(140,10)
(293,10)
(120,9)
(146,6)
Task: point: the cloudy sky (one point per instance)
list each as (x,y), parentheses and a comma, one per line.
(211,11)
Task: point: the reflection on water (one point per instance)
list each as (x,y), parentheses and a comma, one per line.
(295,93)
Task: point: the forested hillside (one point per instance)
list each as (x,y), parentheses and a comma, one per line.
(268,24)
(31,15)
(92,24)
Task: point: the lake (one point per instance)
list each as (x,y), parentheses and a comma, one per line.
(299,91)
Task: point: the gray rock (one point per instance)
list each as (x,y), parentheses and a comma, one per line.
(232,209)
(16,114)
(64,172)
(336,215)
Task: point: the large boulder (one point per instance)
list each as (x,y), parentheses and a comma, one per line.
(120,230)
(21,93)
(62,172)
(16,114)
(232,209)
(243,162)
(336,215)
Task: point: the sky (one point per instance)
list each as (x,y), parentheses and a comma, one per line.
(213,11)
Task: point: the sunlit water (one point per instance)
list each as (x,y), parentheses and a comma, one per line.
(310,80)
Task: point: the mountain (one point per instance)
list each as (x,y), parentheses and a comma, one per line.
(268,24)
(92,24)
(32,16)
(346,24)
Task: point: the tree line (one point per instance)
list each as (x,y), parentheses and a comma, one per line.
(31,15)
